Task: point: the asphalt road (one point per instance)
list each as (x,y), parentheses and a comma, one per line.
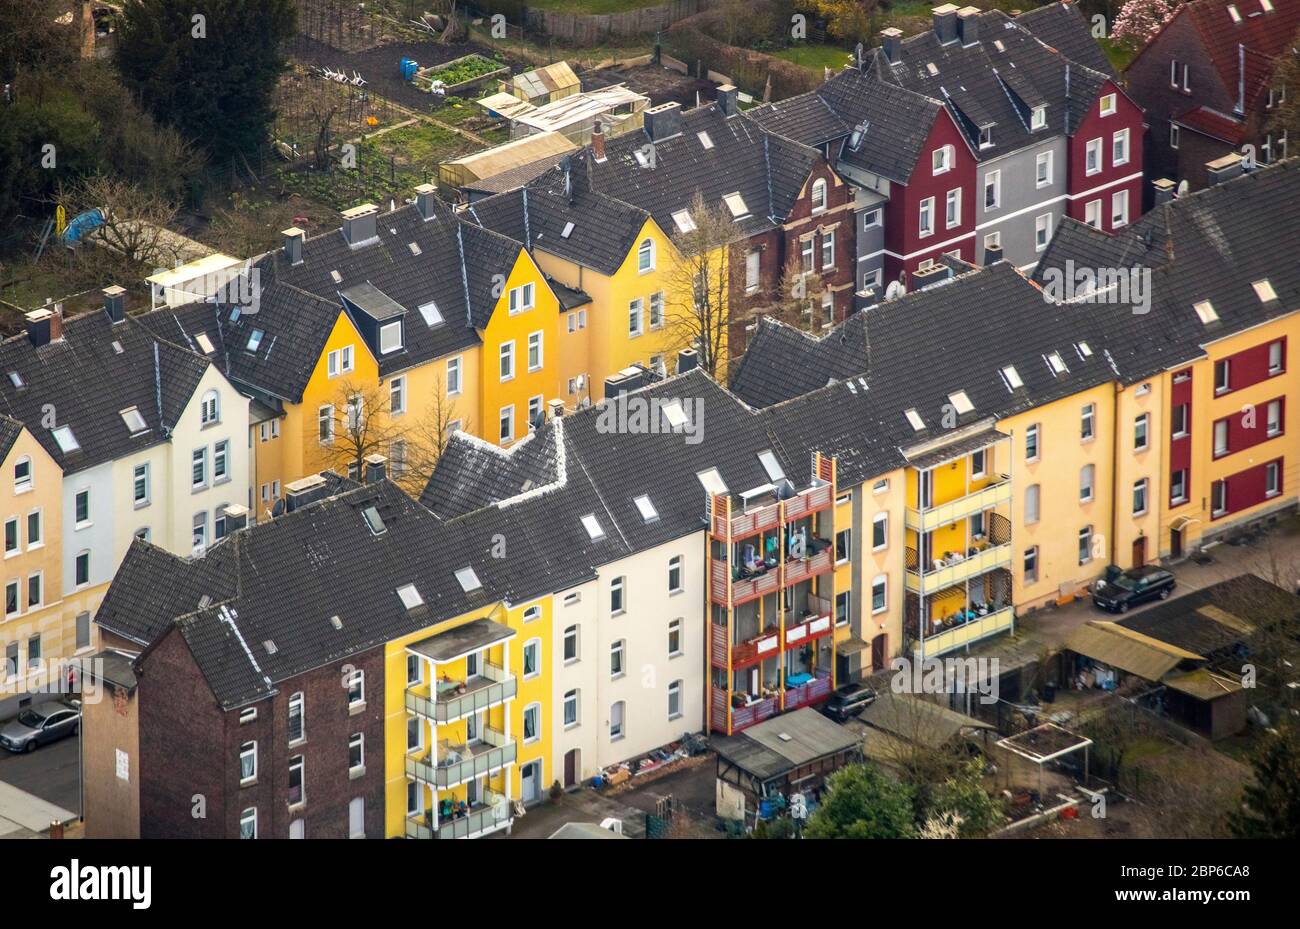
(50,772)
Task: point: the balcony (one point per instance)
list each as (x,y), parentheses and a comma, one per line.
(492,687)
(743,716)
(754,650)
(956,569)
(820,563)
(819,688)
(945,514)
(966,633)
(766,508)
(489,816)
(816,624)
(460,763)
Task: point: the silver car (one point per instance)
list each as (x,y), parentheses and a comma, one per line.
(37,725)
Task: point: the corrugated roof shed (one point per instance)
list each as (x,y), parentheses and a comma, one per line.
(1127,650)
(780,745)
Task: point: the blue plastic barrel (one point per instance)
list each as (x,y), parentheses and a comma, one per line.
(409,67)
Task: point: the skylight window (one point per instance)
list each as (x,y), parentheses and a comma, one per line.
(410,596)
(771,465)
(915,419)
(67,441)
(117,347)
(1012,378)
(254,340)
(736,203)
(432,315)
(414,247)
(1205,310)
(932,68)
(134,421)
(1083,348)
(235,313)
(336,622)
(997,43)
(16,379)
(704,139)
(1264,290)
(336,277)
(1232,11)
(568,231)
(1057,363)
(712,481)
(374,520)
(961,403)
(270,647)
(683,220)
(675,415)
(468,579)
(204,343)
(593,527)
(647,509)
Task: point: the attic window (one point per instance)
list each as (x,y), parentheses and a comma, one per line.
(410,596)
(117,347)
(1057,363)
(986,136)
(736,203)
(961,402)
(16,379)
(1083,348)
(915,419)
(1038,119)
(771,465)
(414,247)
(432,315)
(592,525)
(270,647)
(374,520)
(1264,290)
(860,133)
(235,314)
(134,421)
(683,220)
(336,277)
(1012,378)
(254,340)
(336,622)
(468,579)
(997,43)
(1232,11)
(1205,310)
(712,481)
(67,441)
(204,343)
(568,231)
(704,139)
(675,415)
(647,509)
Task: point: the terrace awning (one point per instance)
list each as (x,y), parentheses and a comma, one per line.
(460,641)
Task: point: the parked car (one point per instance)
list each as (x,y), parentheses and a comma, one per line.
(1120,590)
(38,725)
(848,701)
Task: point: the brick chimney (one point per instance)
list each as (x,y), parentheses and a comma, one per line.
(891,40)
(945,22)
(598,142)
(56,323)
(968,25)
(293,238)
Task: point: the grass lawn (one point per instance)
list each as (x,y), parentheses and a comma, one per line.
(814,57)
(1119,55)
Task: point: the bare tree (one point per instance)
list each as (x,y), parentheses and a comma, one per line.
(321,116)
(424,441)
(700,313)
(798,300)
(135,234)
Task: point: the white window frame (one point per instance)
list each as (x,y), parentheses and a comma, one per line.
(993,181)
(535,346)
(925,218)
(1043,178)
(506,360)
(1094,157)
(952,208)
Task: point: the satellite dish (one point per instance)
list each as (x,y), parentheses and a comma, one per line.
(894,290)
(1181,189)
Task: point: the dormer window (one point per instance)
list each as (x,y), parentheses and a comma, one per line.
(986,136)
(1038,119)
(390,337)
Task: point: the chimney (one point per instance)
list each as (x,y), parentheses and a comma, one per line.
(631,378)
(38,326)
(359,225)
(663,121)
(305,490)
(598,142)
(931,275)
(992,254)
(56,323)
(556,408)
(426,200)
(968,25)
(727,100)
(945,22)
(891,40)
(293,237)
(56,827)
(376,468)
(1223,169)
(1164,190)
(236,518)
(688,359)
(115,303)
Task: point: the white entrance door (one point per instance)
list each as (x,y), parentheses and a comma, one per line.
(530,781)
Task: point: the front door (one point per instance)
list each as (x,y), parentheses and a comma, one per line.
(571,768)
(1176,543)
(1139,551)
(879,648)
(530,777)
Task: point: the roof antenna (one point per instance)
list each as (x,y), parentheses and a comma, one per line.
(567,164)
(861,57)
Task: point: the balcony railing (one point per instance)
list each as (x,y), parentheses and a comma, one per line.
(492,814)
(939,576)
(819,688)
(967,632)
(767,517)
(755,649)
(796,571)
(945,514)
(813,627)
(743,716)
(494,752)
(494,685)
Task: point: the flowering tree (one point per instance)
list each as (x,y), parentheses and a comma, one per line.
(1139,20)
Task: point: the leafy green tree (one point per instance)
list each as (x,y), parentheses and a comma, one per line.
(1271,802)
(210,69)
(862,802)
(42,145)
(964,795)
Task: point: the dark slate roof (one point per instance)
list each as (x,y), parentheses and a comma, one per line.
(472,474)
(298,304)
(88,382)
(984,85)
(1062,26)
(1187,623)
(806,118)
(281,581)
(10,430)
